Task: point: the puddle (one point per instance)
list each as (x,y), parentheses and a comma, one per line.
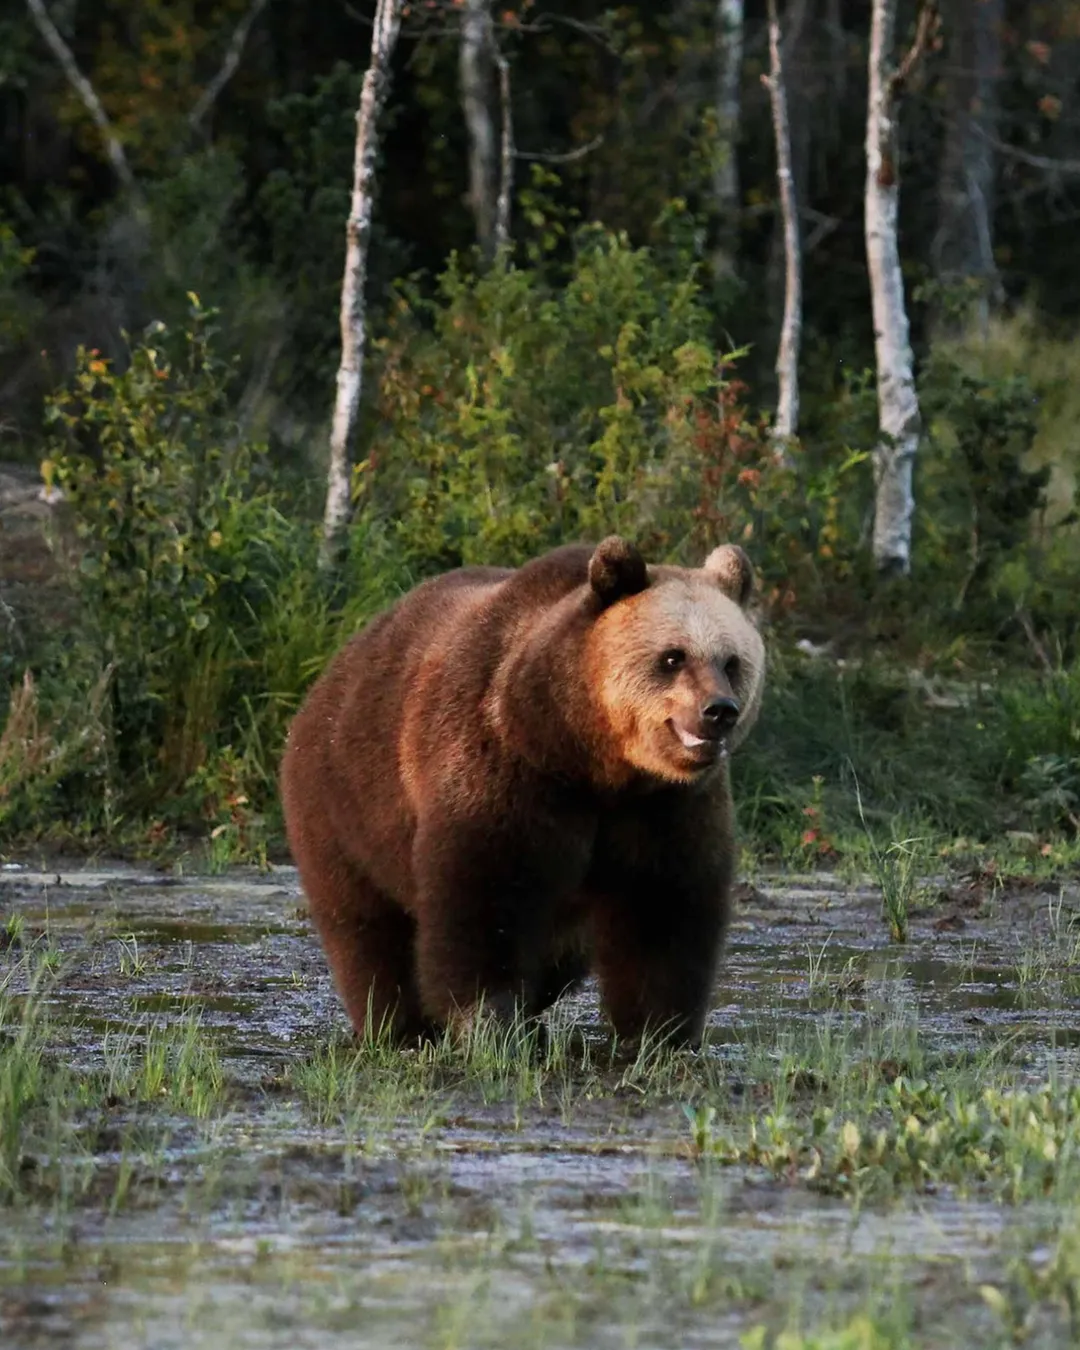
(460,1220)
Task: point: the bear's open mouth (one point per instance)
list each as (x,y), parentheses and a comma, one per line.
(699,746)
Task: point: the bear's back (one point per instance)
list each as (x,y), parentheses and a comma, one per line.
(406,693)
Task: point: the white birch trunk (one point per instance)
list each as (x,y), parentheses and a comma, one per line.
(357,236)
(503,205)
(898,405)
(477,44)
(786,425)
(729,54)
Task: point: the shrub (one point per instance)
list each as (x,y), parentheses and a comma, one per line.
(197,593)
(513,415)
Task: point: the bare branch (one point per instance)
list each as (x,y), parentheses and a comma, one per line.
(823,226)
(85,90)
(566,156)
(228,68)
(927,27)
(594,32)
(1044,162)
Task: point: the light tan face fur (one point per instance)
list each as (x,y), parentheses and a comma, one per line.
(654,712)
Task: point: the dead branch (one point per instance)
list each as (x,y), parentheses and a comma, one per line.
(566,156)
(927,28)
(1024,619)
(1044,162)
(229,66)
(85,90)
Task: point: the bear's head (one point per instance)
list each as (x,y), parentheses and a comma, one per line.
(673,660)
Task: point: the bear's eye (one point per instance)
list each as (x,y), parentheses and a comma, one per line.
(673,659)
(731,670)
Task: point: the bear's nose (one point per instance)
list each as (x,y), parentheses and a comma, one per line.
(721,713)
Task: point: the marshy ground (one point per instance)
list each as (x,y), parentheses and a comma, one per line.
(879,1146)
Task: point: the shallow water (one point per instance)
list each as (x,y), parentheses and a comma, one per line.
(554,1222)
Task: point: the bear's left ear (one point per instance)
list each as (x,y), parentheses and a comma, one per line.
(732,571)
(616,569)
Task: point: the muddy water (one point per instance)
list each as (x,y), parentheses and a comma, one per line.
(561,1222)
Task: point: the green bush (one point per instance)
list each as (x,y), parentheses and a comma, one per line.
(178,541)
(17,306)
(513,415)
(200,600)
(988,548)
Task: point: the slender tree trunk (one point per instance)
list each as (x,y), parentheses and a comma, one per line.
(477,46)
(357,239)
(504,201)
(794,54)
(786,425)
(729,52)
(963,246)
(898,405)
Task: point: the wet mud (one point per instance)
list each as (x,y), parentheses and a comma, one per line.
(550,1218)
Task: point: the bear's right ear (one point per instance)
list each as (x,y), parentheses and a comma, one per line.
(616,569)
(732,571)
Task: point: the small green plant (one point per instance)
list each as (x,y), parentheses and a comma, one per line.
(898,869)
(130,961)
(862,1332)
(22,1080)
(174,1061)
(1033,1283)
(898,874)
(701,1119)
(11,935)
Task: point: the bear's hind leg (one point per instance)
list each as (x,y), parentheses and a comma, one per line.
(370,945)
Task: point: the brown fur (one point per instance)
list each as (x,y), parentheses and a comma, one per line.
(499,785)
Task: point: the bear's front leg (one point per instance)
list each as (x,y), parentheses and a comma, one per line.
(656,957)
(487,906)
(659,898)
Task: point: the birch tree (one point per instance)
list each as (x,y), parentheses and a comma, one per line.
(373,96)
(505,197)
(899,421)
(786,424)
(475,59)
(729,52)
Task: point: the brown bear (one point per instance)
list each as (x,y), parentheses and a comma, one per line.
(511,778)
